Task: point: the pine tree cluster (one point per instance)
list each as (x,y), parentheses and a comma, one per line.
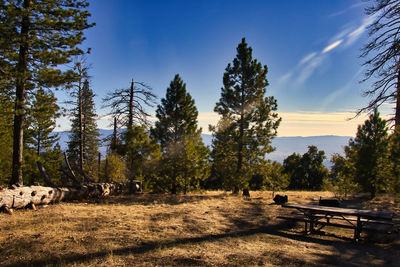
(38,39)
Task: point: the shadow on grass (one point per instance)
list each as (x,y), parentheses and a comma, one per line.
(150,246)
(354,252)
(244,224)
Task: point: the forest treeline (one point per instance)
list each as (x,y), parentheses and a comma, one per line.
(39,39)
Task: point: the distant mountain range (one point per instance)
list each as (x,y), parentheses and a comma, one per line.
(285,146)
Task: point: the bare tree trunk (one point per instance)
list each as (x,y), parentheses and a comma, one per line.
(107,178)
(114,140)
(39,139)
(46,178)
(72,174)
(240,145)
(130,116)
(19,117)
(397,111)
(80,116)
(98,166)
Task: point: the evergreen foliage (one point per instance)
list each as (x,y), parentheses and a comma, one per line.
(252,116)
(185,158)
(271,177)
(39,138)
(306,172)
(185,164)
(6,120)
(84,139)
(369,154)
(52,161)
(51,158)
(177,115)
(142,153)
(276,179)
(341,175)
(36,36)
(113,169)
(223,156)
(41,120)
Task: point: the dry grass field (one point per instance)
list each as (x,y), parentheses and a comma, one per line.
(209,229)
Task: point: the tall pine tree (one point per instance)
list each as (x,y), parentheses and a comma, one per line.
(253,116)
(368,152)
(84,140)
(177,114)
(185,158)
(36,37)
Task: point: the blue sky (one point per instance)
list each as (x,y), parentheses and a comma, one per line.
(310,47)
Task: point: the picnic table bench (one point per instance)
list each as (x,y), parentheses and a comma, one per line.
(320,216)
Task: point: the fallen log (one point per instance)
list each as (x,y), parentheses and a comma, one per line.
(18,197)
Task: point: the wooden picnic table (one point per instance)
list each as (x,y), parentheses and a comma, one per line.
(356,219)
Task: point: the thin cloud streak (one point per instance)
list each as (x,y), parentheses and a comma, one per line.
(356,34)
(341,91)
(341,12)
(332,46)
(309,69)
(307,65)
(307,58)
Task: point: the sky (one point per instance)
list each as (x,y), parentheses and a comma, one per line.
(311,49)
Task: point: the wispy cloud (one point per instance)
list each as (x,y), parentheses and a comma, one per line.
(307,58)
(309,63)
(356,34)
(343,11)
(332,46)
(284,79)
(335,95)
(309,69)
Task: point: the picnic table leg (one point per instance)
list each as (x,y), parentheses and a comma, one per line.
(311,225)
(305,226)
(357,230)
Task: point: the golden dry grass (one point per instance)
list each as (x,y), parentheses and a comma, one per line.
(209,229)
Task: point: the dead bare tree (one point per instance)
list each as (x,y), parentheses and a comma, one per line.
(383,53)
(128,104)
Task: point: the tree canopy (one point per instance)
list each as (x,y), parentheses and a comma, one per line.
(368,152)
(306,172)
(176,115)
(36,37)
(252,116)
(185,158)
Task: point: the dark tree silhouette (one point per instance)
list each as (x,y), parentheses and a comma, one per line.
(383,53)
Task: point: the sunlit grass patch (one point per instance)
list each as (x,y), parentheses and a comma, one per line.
(208,229)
